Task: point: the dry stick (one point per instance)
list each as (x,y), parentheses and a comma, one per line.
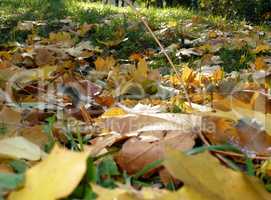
(142,18)
(86,116)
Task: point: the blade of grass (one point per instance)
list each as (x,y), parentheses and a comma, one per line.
(250,167)
(224,147)
(147,168)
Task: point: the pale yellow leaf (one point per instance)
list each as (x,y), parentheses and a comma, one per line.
(53,178)
(141,72)
(19,148)
(205,175)
(187,74)
(129,193)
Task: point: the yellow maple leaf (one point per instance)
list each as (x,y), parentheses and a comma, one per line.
(206,178)
(114,112)
(141,72)
(262,48)
(188,74)
(218,75)
(53,178)
(212,34)
(260,63)
(105,64)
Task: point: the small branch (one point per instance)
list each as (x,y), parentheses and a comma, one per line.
(144,21)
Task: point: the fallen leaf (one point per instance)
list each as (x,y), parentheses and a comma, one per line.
(53,178)
(133,159)
(187,74)
(141,72)
(19,147)
(105,100)
(260,63)
(128,193)
(113,112)
(25,77)
(152,132)
(205,176)
(35,135)
(105,64)
(83,50)
(5,168)
(119,36)
(218,75)
(44,57)
(84,29)
(10,119)
(262,48)
(61,37)
(212,34)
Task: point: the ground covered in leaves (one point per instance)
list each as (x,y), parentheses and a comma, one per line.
(91,108)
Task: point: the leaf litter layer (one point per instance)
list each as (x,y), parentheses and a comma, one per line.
(78,121)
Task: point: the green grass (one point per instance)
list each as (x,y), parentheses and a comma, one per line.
(109,19)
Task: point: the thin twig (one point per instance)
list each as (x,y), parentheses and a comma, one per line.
(144,21)
(86,116)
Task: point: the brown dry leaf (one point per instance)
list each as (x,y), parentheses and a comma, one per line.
(44,57)
(35,135)
(105,100)
(135,56)
(82,50)
(137,153)
(205,177)
(243,111)
(99,144)
(26,77)
(236,126)
(84,29)
(4,64)
(10,119)
(152,132)
(10,116)
(105,64)
(53,178)
(260,102)
(5,168)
